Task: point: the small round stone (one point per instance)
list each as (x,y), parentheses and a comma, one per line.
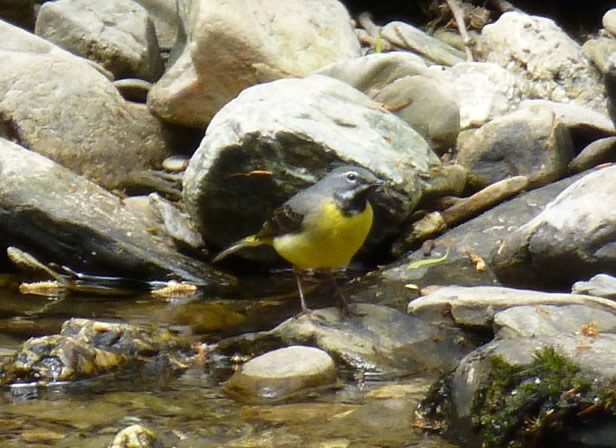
(175,163)
(280,374)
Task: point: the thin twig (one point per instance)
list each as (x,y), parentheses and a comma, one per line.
(459,17)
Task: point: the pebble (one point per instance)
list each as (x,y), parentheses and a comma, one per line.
(176,163)
(281,373)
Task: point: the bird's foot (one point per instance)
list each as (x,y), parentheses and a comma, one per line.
(346,311)
(304,312)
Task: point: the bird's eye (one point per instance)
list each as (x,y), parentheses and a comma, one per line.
(351,176)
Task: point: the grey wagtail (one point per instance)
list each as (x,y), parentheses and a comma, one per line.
(322,226)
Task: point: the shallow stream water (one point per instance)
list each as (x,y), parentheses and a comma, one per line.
(192,410)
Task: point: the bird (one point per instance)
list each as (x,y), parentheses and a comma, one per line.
(321,227)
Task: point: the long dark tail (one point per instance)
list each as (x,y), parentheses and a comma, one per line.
(249,241)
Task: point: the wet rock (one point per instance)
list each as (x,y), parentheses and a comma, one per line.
(529,142)
(59,216)
(397,283)
(104,138)
(277,138)
(117,34)
(530,392)
(483,91)
(133,436)
(571,239)
(539,52)
(271,40)
(403,35)
(601,285)
(380,341)
(86,348)
(551,362)
(476,307)
(598,152)
(281,374)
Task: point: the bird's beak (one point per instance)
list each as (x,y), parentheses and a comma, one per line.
(378,185)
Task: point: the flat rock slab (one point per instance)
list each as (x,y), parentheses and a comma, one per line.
(551,320)
(58,216)
(280,374)
(477,306)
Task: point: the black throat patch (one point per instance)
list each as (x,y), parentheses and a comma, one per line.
(351,202)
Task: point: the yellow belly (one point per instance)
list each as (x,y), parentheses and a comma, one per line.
(329,239)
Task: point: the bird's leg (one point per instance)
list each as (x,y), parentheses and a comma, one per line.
(342,301)
(298,278)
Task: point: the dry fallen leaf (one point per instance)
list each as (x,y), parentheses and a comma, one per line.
(479,262)
(591,329)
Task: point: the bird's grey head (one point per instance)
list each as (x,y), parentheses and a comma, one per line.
(350,186)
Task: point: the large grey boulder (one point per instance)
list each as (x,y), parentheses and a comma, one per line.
(233,45)
(118,34)
(571,239)
(58,105)
(277,138)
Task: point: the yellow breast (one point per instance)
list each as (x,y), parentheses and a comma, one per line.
(329,239)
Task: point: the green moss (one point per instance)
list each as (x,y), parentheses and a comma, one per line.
(519,406)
